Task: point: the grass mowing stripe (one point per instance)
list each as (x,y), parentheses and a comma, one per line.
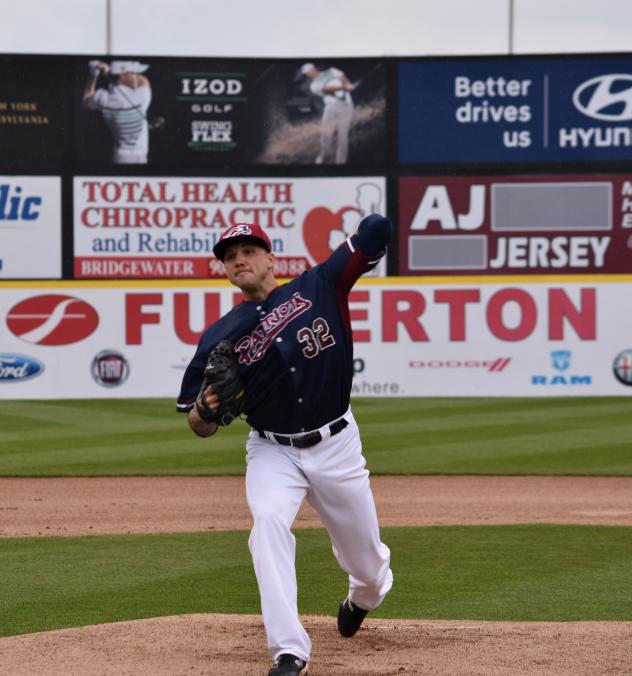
(564,453)
(582,435)
(532,572)
(79,581)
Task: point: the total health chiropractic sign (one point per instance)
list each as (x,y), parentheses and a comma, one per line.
(132,227)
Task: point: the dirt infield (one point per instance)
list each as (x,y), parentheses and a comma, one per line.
(114,505)
(227,644)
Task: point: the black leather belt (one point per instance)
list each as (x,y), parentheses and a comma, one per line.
(305,440)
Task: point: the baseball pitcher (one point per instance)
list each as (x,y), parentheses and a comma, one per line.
(283,361)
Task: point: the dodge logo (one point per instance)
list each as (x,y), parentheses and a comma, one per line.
(52,320)
(606,97)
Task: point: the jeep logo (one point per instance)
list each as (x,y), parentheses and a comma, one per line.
(606,97)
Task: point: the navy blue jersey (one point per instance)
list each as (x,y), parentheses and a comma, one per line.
(295,349)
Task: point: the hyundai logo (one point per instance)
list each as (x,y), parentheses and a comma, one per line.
(606,97)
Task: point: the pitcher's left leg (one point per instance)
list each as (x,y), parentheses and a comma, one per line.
(341,494)
(275,488)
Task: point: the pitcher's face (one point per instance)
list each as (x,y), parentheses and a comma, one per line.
(249,267)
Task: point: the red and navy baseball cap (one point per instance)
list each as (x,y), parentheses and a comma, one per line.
(239,232)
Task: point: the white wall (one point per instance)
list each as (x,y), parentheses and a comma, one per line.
(315,27)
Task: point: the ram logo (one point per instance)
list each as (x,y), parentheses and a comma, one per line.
(606,97)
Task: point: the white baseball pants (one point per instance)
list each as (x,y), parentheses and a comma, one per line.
(336,119)
(333,478)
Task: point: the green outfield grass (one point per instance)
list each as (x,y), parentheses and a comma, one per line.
(581,435)
(530,572)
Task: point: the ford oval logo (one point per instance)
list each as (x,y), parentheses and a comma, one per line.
(606,97)
(17,367)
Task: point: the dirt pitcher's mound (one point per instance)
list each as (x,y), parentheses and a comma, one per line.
(232,644)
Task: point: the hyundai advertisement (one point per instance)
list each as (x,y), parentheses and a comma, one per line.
(515,110)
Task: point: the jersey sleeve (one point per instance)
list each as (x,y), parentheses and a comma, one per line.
(191,383)
(316,86)
(98,100)
(194,374)
(143,95)
(359,253)
(372,236)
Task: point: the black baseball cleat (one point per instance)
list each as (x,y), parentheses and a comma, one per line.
(350,617)
(288,665)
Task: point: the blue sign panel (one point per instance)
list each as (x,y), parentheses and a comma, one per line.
(515,110)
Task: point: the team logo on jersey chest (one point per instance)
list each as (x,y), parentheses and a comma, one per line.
(253,347)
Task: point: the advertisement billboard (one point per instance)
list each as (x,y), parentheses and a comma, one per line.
(30,227)
(534,109)
(135,227)
(229,112)
(532,224)
(104,339)
(35,104)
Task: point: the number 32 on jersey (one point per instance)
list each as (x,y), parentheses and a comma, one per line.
(315,338)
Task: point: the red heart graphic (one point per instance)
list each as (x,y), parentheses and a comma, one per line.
(318,223)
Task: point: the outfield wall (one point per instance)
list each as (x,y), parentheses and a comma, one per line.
(507,180)
(491,166)
(413,336)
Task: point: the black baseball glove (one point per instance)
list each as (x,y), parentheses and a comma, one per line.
(221,372)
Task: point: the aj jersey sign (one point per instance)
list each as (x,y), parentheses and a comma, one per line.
(30,227)
(518,110)
(529,224)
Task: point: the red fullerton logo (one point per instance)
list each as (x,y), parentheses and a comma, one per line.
(253,347)
(52,320)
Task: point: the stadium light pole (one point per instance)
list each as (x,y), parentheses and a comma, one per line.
(108,27)
(510,26)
